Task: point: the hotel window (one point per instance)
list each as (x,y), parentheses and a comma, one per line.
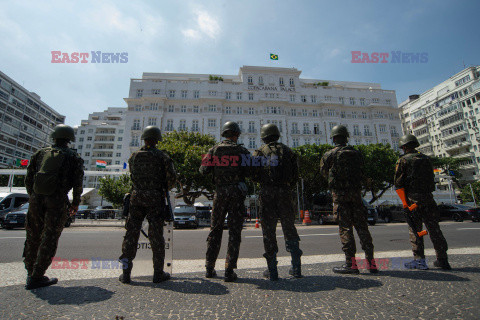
(250,96)
(375,100)
(382,128)
(195,109)
(295,142)
(139,93)
(182,126)
(389,102)
(184,93)
(354,115)
(362,101)
(304,112)
(169,125)
(156,91)
(80,140)
(183,109)
(293,112)
(212,108)
(292,83)
(306,128)
(342,114)
(138,108)
(212,123)
(280,81)
(212,93)
(239,110)
(356,130)
(352,101)
(154,106)
(195,125)
(340,99)
(292,98)
(171,93)
(251,110)
(328,98)
(240,124)
(228,95)
(82,131)
(307,141)
(87,154)
(331,112)
(88,146)
(228,110)
(318,141)
(250,80)
(313,98)
(304,98)
(332,124)
(316,129)
(295,128)
(136,125)
(171,108)
(315,113)
(152,121)
(239,96)
(252,144)
(260,80)
(251,126)
(366,130)
(196,94)
(119,154)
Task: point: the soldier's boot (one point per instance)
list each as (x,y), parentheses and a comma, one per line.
(34,283)
(230,275)
(125,276)
(347,268)
(160,276)
(442,263)
(372,265)
(420,264)
(210,273)
(272,271)
(294,248)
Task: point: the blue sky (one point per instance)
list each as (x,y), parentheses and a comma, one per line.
(218,37)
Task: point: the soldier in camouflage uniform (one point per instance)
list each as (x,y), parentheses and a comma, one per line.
(343,168)
(277,176)
(51,174)
(229,198)
(153,174)
(414,173)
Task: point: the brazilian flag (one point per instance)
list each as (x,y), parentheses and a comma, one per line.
(273,56)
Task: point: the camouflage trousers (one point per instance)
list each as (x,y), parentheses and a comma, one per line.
(46,218)
(427,213)
(277,203)
(352,213)
(155,217)
(227,200)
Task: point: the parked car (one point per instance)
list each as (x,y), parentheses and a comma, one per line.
(83,212)
(204,214)
(391,213)
(185,216)
(474,214)
(11,201)
(456,212)
(103,212)
(16,219)
(372,215)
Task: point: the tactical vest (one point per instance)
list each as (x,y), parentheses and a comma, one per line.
(420,176)
(346,170)
(227,174)
(148,171)
(278,170)
(47,180)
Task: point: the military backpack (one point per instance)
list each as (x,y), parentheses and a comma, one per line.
(148,171)
(47,179)
(278,168)
(420,174)
(346,170)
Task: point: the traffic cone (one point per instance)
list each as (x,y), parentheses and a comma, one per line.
(307,220)
(257,225)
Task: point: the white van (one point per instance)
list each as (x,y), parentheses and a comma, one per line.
(10,201)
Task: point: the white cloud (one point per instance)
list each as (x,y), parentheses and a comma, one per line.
(207,25)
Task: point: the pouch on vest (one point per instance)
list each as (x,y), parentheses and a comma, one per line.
(148,171)
(346,169)
(47,179)
(278,170)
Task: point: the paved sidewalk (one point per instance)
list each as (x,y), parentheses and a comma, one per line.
(392,294)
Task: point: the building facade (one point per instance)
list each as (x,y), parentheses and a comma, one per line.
(26,122)
(305,110)
(101,138)
(445,119)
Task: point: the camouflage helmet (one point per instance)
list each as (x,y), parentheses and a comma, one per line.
(409,139)
(152,132)
(231,126)
(62,131)
(268,130)
(339,130)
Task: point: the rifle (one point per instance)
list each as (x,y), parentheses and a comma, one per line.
(126,211)
(409,214)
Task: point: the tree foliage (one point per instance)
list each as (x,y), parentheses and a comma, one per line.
(113,189)
(186,150)
(466,192)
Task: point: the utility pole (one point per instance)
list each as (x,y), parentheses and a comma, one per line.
(473,195)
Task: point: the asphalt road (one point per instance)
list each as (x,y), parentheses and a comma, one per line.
(105,242)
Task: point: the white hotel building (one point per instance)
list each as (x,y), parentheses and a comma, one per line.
(446,120)
(304,109)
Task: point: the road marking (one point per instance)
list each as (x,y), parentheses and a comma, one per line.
(301,235)
(468,228)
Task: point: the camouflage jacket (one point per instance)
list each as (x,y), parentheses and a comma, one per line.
(414,173)
(70,175)
(353,183)
(279,165)
(145,178)
(231,171)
